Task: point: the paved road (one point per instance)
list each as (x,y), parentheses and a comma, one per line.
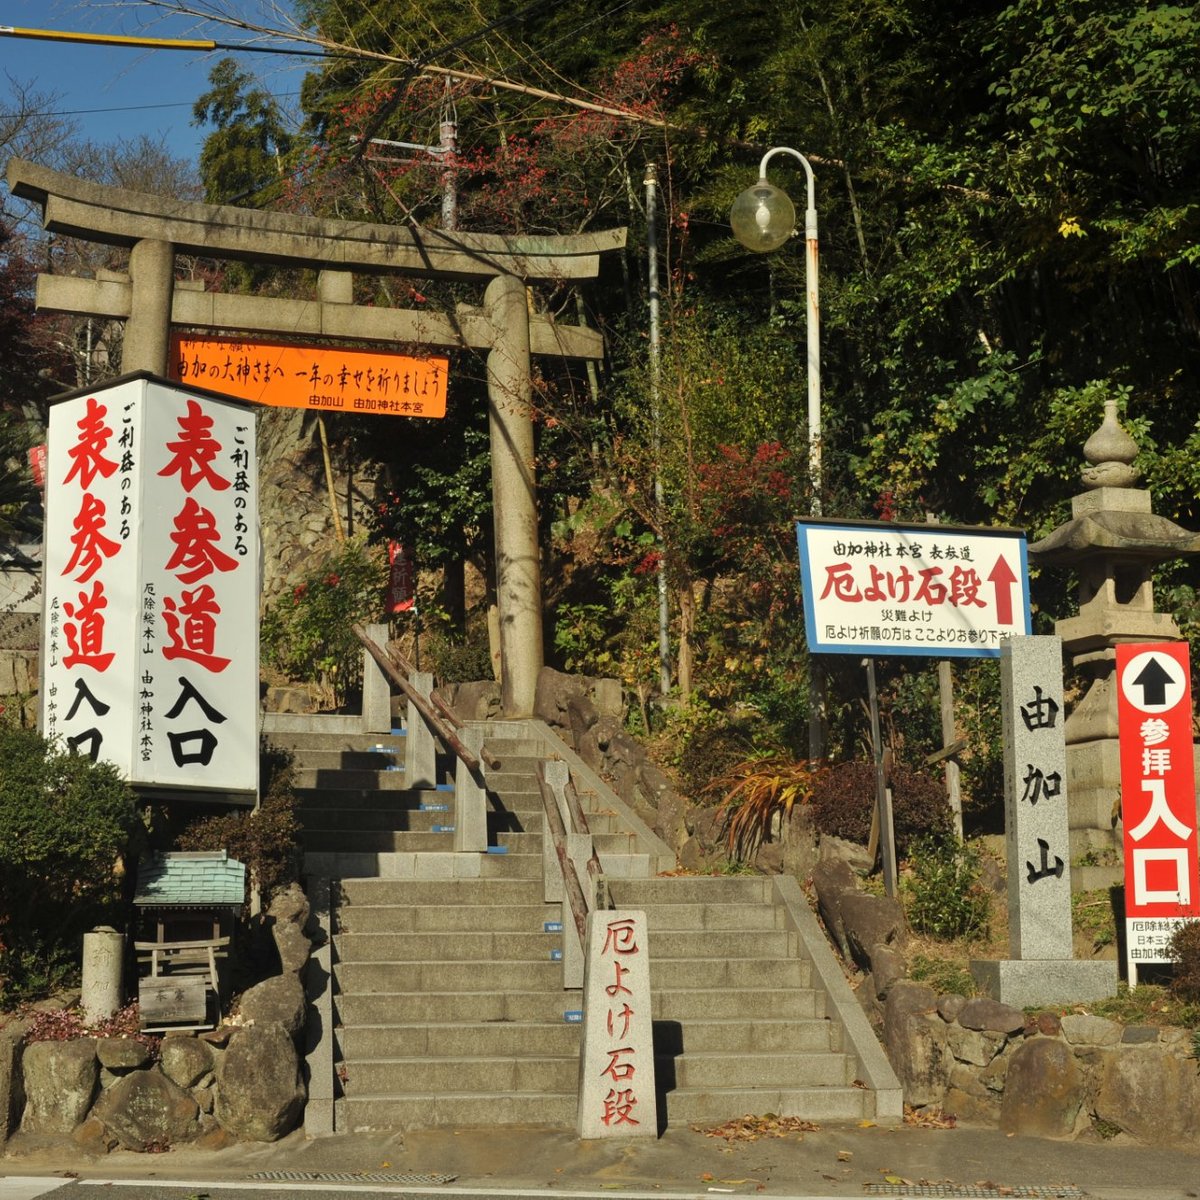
(827,1163)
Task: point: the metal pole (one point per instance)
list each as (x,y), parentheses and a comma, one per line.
(883,801)
(664,640)
(811,272)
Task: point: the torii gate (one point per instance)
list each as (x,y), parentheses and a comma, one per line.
(151,300)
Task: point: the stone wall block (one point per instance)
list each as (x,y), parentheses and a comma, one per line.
(186,1061)
(1084,1030)
(60,1080)
(1043,1090)
(145,1110)
(984,1013)
(1150,1093)
(915,1037)
(972,1046)
(122,1054)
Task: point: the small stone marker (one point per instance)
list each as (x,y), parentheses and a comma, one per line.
(616,1075)
(1043,969)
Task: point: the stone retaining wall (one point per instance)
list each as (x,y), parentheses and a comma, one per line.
(1048,1075)
(242,1081)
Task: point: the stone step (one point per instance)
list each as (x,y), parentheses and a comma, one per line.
(553,1036)
(508,1073)
(452,1109)
(356,890)
(688,1106)
(744,1035)
(360,1043)
(483,946)
(378,841)
(331,779)
(300,743)
(538,973)
(360,978)
(716,1069)
(423,865)
(438,835)
(422,918)
(349,760)
(699,946)
(680,1007)
(322,821)
(524,1006)
(366,799)
(692,889)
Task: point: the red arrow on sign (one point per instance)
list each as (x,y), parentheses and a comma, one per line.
(1003,578)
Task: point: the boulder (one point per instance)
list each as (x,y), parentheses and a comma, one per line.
(851,853)
(60,1079)
(259,1094)
(477,701)
(122,1054)
(294,948)
(553,693)
(608,696)
(887,969)
(832,879)
(186,1060)
(1043,1089)
(279,1000)
(915,1037)
(93,1137)
(950,1005)
(289,906)
(581,716)
(145,1110)
(984,1013)
(671,824)
(870,921)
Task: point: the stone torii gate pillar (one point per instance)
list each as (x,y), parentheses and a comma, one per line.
(151,301)
(148,331)
(514,494)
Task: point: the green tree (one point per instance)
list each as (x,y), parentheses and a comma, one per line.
(244,159)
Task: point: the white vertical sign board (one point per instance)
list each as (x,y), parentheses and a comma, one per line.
(151,638)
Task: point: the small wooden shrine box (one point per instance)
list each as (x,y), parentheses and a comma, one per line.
(186,903)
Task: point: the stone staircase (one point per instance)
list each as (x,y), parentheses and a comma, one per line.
(445,1003)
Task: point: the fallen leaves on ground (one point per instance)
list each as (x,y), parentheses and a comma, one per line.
(750,1129)
(929,1118)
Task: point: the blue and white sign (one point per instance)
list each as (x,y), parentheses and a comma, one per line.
(938,590)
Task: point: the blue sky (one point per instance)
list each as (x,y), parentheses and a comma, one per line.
(113,92)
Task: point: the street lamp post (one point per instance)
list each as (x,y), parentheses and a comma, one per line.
(763,218)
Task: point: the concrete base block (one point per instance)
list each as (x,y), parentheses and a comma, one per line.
(1033,982)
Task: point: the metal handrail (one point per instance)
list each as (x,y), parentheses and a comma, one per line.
(422,704)
(558,835)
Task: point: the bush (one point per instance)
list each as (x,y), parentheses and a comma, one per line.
(266,840)
(307,634)
(844,799)
(945,897)
(458,661)
(66,825)
(758,790)
(1184,950)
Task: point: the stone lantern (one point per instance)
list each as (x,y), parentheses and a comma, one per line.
(1113,541)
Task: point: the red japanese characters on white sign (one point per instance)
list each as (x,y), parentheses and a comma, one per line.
(1158,801)
(151,638)
(885,588)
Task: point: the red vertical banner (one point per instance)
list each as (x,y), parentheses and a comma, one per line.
(402,578)
(37,465)
(1158,797)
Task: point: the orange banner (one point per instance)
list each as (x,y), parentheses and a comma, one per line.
(332,380)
